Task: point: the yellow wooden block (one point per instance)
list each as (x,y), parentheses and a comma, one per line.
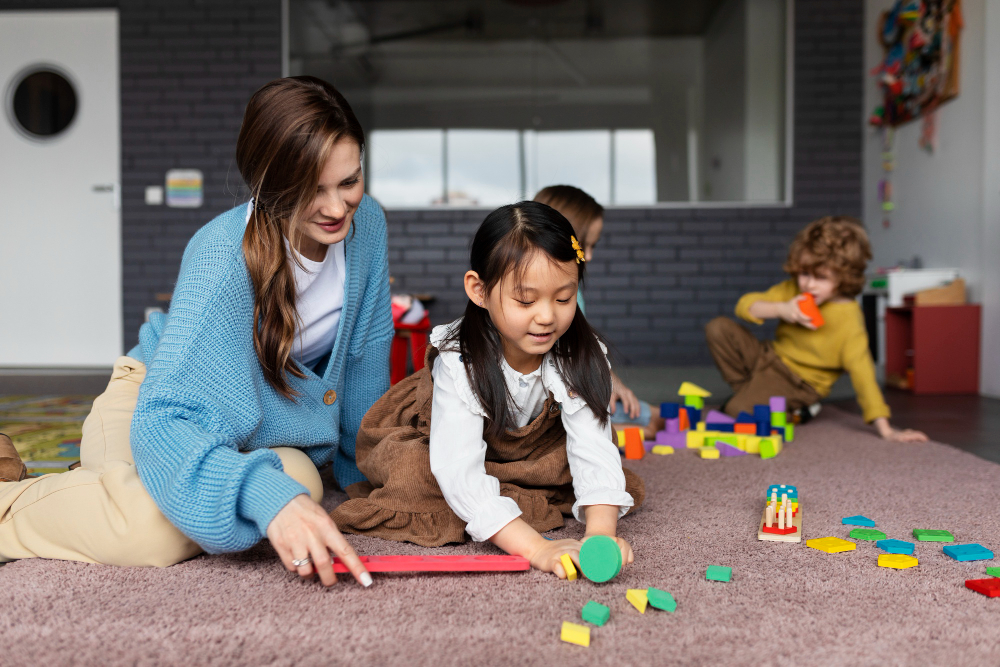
(638,598)
(575,634)
(700,426)
(620,435)
(663,449)
(567,564)
(695,439)
(751,444)
(709,453)
(831,545)
(897,561)
(691,389)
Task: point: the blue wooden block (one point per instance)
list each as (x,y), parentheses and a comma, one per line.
(792,492)
(857,520)
(721,428)
(744,418)
(895,546)
(762,413)
(694,415)
(965,552)
(764,428)
(669,410)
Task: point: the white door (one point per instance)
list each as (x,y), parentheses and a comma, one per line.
(60,223)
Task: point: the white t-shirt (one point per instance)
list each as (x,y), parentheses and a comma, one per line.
(458,451)
(319,299)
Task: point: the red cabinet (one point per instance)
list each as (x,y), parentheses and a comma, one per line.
(939,343)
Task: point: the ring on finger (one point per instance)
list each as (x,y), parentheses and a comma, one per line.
(302,561)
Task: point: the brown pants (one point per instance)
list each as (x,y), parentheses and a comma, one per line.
(753,369)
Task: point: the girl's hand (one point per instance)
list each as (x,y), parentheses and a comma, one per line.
(790,312)
(619,392)
(303,529)
(887,432)
(627,556)
(547,557)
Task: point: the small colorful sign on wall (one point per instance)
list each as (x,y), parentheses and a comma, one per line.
(184,188)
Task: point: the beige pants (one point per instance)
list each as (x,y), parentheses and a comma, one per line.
(100,512)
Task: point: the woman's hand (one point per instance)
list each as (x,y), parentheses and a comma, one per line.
(303,529)
(887,432)
(620,392)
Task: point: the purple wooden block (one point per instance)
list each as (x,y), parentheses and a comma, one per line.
(718,417)
(725,449)
(673,425)
(673,439)
(649,444)
(777,404)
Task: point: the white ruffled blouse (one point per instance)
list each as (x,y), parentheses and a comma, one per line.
(458,451)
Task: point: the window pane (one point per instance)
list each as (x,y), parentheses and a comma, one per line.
(484,167)
(580,158)
(635,167)
(405,167)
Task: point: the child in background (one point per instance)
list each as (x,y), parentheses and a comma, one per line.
(506,428)
(587,218)
(827,259)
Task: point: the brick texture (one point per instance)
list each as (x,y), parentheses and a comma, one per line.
(189,66)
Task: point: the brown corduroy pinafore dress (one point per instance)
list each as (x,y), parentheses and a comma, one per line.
(402,501)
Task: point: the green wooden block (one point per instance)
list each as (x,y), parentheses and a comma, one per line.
(729,439)
(696,402)
(596,613)
(924,535)
(718,573)
(778,419)
(869,534)
(768,450)
(993,571)
(600,559)
(661,599)
(789,432)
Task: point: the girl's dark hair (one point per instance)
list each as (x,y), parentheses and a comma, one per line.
(505,243)
(289,128)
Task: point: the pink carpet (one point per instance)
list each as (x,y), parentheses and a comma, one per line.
(786,603)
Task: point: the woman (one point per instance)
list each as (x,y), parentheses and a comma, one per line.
(210,432)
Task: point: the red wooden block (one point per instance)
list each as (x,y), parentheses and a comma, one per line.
(439,564)
(747,429)
(633,443)
(779,531)
(807,304)
(685,420)
(988,587)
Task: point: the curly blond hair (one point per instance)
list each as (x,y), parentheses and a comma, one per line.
(837,243)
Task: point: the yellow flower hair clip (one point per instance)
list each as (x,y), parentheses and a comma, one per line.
(579,251)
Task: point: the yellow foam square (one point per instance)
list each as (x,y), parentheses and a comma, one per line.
(567,564)
(897,561)
(575,634)
(638,598)
(709,453)
(831,545)
(663,449)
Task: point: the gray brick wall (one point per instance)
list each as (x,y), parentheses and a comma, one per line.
(188,67)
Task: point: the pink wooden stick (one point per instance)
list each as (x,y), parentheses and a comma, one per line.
(439,564)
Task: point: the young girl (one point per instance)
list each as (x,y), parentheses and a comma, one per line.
(210,431)
(506,428)
(827,259)
(587,218)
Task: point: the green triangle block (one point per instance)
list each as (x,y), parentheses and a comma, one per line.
(869,534)
(600,559)
(661,599)
(924,535)
(596,613)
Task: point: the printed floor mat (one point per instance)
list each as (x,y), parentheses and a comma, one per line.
(45,429)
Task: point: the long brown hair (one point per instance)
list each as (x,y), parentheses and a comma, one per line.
(289,128)
(576,205)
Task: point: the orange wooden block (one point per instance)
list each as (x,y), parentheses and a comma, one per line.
(746,429)
(634,448)
(807,304)
(685,421)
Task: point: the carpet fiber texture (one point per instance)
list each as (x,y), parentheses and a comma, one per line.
(786,603)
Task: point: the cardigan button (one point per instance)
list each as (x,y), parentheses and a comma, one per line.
(329,397)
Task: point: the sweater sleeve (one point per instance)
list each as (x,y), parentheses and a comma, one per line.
(197,403)
(366,376)
(857,361)
(781,292)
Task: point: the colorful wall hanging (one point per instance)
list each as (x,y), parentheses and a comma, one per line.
(920,70)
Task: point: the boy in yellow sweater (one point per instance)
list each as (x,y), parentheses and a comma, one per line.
(827,259)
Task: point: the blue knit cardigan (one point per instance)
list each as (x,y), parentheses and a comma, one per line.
(206,417)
